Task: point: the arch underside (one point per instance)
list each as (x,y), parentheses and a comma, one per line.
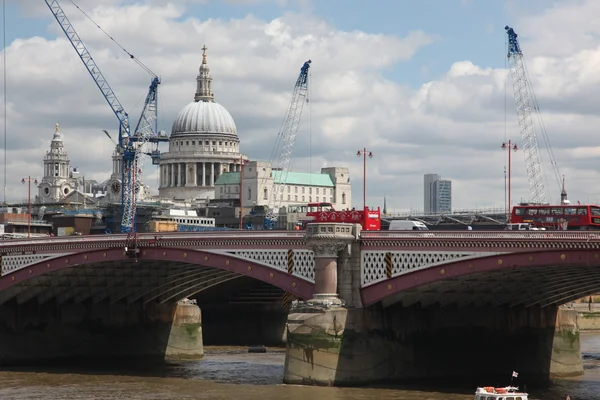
(117,281)
(489,282)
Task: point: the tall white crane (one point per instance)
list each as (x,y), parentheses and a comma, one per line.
(285,144)
(526,104)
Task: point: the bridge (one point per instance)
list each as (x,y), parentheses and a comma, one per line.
(400,294)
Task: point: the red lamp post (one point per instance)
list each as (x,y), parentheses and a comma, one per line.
(510,146)
(364,152)
(28,180)
(242,162)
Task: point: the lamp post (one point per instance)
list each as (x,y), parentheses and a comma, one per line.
(364,152)
(28,180)
(241,162)
(510,146)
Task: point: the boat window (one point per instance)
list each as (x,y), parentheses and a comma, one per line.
(532,211)
(570,210)
(544,211)
(557,211)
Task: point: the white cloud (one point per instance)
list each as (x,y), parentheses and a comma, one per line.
(453,125)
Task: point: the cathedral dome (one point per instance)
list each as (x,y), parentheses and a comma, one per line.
(204,117)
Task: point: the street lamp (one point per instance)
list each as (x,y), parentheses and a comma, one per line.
(242,162)
(510,146)
(364,152)
(28,180)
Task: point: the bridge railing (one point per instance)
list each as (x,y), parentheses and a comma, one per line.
(107,238)
(575,235)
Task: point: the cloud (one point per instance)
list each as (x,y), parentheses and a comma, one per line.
(452,125)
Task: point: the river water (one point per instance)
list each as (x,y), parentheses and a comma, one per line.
(232,373)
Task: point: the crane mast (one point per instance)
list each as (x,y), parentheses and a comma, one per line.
(131,147)
(524,99)
(285,144)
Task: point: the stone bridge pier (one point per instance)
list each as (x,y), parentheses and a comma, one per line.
(333,340)
(34,334)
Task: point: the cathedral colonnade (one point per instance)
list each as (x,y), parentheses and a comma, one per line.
(181,174)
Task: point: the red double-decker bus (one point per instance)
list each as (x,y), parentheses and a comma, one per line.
(561,217)
(370,220)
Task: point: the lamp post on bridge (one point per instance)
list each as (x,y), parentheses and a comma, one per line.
(241,162)
(510,146)
(23,181)
(364,152)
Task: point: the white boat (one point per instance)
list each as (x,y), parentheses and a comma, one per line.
(499,393)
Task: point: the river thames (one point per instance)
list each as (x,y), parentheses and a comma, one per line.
(232,373)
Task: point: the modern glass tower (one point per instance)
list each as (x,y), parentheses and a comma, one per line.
(437,194)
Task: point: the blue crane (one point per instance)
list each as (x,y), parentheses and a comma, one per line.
(130,146)
(285,144)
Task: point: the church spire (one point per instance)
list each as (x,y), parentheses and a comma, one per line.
(204,81)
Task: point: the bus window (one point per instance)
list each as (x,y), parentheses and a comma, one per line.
(519,211)
(581,211)
(570,210)
(532,211)
(595,210)
(544,211)
(557,211)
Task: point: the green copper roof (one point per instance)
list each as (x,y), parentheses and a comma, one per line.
(293,178)
(228,178)
(304,179)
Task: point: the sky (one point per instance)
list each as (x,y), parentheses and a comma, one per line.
(423,85)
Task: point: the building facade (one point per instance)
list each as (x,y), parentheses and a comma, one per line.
(437,194)
(258,179)
(203,145)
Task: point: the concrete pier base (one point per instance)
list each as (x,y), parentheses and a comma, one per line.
(185,336)
(566,346)
(349,346)
(33,334)
(336,347)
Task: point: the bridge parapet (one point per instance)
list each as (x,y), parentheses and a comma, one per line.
(389,254)
(285,251)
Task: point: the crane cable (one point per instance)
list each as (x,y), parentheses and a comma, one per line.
(138,62)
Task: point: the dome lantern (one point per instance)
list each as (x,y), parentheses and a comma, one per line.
(204,81)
